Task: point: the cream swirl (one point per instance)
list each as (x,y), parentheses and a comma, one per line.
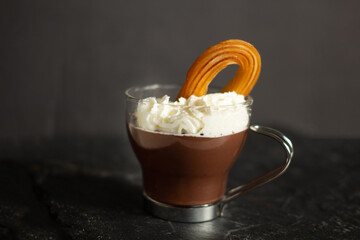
(211,115)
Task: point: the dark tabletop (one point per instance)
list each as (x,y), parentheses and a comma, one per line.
(90,188)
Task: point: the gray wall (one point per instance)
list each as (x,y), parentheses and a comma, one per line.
(64,65)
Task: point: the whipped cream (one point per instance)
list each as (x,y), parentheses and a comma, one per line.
(211,115)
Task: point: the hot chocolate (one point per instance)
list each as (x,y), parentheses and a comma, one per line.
(185,170)
(187,147)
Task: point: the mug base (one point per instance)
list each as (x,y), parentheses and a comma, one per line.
(189,214)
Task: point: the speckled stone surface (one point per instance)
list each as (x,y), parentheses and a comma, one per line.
(90,188)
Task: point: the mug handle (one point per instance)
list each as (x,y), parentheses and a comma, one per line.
(289,149)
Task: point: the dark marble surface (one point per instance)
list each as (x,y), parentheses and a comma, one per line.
(90,188)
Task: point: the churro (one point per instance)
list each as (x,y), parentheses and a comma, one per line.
(218,57)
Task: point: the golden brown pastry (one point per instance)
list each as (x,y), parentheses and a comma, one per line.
(218,57)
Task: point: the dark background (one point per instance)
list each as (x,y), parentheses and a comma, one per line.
(66,168)
(64,65)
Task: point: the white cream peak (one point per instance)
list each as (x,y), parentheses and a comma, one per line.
(211,115)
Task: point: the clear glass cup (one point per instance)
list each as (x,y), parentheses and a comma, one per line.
(185,176)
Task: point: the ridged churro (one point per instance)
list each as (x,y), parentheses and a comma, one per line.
(218,57)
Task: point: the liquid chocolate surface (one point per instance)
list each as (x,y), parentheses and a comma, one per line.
(185,170)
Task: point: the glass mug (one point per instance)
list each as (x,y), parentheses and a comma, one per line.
(184,177)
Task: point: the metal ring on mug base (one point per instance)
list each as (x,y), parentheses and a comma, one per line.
(199,213)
